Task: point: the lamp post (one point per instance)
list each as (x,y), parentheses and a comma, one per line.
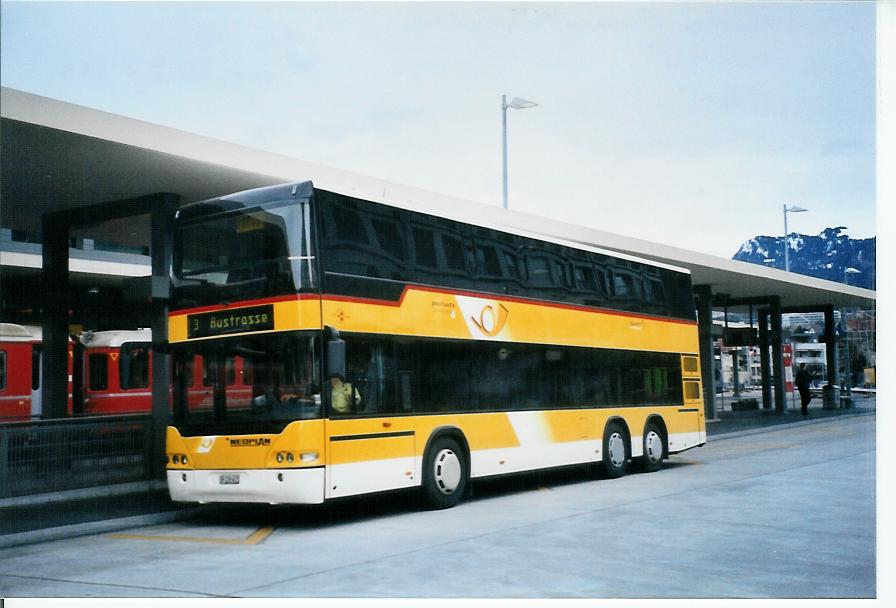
(846,272)
(794,209)
(516,103)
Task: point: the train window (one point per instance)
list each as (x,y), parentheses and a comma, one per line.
(134,366)
(2,369)
(98,372)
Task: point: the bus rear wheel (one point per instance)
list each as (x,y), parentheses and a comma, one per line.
(616,450)
(654,446)
(444,474)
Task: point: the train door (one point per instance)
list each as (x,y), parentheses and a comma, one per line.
(37,379)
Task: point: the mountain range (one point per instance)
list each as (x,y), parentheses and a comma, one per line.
(826,255)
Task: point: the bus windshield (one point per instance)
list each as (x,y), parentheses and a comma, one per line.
(254,384)
(248,253)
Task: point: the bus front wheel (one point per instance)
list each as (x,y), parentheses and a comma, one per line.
(616,450)
(444,474)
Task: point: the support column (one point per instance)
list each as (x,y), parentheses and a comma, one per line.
(777,336)
(162,218)
(54,356)
(765,360)
(830,340)
(735,368)
(704,331)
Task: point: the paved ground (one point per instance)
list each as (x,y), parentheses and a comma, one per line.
(788,512)
(65,514)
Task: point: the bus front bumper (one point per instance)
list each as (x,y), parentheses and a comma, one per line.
(272,486)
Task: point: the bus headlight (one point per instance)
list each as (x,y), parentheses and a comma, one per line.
(279,456)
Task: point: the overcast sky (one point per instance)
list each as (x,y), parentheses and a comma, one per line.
(686,124)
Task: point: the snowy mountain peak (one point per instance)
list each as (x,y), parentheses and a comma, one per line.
(825,255)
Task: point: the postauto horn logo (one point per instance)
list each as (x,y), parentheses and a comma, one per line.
(491,321)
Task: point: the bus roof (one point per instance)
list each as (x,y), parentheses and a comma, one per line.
(249,198)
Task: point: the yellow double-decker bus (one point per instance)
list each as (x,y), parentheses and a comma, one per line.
(387,348)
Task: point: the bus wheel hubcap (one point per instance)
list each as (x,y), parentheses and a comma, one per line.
(617,449)
(446,471)
(653,445)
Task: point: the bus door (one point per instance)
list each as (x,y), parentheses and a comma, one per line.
(369,448)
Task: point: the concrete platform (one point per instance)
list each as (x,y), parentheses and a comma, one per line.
(786,511)
(40,518)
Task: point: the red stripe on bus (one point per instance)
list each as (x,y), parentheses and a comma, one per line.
(471,294)
(245,303)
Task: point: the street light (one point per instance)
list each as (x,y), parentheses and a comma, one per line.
(794,209)
(516,103)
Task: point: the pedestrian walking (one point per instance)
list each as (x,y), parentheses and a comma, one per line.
(803,385)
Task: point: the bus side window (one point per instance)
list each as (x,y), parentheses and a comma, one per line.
(208,371)
(188,364)
(407,397)
(230,370)
(98,371)
(371,371)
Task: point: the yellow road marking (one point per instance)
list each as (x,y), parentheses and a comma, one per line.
(253,539)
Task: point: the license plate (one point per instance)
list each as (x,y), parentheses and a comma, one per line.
(229,480)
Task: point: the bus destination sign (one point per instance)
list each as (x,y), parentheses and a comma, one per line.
(257,318)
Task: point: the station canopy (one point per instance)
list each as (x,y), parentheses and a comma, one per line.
(58,156)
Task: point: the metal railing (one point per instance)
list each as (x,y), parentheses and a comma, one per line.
(51,455)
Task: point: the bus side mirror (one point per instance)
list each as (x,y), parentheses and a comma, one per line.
(336,358)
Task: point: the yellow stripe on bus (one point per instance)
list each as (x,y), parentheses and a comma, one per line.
(438,314)
(370,439)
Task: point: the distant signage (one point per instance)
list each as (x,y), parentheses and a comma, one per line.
(257,318)
(740,336)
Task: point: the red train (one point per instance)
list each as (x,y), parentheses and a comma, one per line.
(116,379)
(118,374)
(20,372)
